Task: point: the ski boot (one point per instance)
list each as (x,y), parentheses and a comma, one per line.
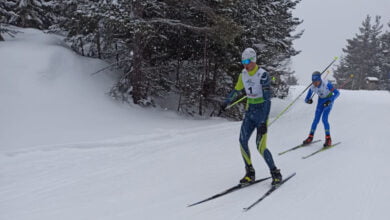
(249,176)
(328,141)
(276,176)
(308,139)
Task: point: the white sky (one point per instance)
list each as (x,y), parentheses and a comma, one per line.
(327,25)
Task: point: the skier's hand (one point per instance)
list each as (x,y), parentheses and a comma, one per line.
(310,101)
(327,103)
(224,106)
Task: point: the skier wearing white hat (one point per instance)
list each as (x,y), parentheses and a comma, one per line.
(256,82)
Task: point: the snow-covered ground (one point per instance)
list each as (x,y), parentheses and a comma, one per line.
(67,151)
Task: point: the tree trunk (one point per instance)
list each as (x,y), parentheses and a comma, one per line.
(136,74)
(179,104)
(136,79)
(117,54)
(82,46)
(202,78)
(1,38)
(178,72)
(99,50)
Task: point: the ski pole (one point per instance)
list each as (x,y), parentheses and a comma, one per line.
(346,82)
(292,103)
(327,73)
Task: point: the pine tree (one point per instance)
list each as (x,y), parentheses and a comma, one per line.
(27,13)
(7,14)
(385,54)
(362,55)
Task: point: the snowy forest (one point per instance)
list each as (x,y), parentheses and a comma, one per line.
(185,52)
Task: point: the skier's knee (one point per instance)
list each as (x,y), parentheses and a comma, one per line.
(325,120)
(316,119)
(243,141)
(261,140)
(261,145)
(262,129)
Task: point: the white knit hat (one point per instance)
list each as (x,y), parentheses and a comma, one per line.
(249,53)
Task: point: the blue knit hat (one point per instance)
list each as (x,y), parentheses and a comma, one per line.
(316,76)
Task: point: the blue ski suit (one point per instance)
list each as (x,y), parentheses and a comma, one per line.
(326,93)
(256,115)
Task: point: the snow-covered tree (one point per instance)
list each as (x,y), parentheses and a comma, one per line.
(6,14)
(385,55)
(27,13)
(4,29)
(6,11)
(362,55)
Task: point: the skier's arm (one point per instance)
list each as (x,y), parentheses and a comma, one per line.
(233,94)
(239,85)
(335,92)
(308,96)
(266,85)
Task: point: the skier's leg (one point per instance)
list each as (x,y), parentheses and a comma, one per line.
(325,115)
(261,137)
(325,121)
(261,141)
(317,117)
(247,128)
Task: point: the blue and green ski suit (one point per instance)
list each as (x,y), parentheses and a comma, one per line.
(256,115)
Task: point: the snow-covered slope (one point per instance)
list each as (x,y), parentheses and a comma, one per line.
(48,96)
(68,151)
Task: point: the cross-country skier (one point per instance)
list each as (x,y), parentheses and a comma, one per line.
(326,96)
(256,82)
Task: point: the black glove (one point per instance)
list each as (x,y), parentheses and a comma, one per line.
(327,103)
(310,101)
(224,106)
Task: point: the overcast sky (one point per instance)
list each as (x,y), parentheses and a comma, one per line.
(328,24)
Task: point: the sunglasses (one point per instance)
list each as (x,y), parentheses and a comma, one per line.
(246,62)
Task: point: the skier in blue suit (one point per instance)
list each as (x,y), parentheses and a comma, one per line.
(327,94)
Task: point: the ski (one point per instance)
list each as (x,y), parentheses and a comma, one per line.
(230,190)
(272,189)
(320,150)
(299,146)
